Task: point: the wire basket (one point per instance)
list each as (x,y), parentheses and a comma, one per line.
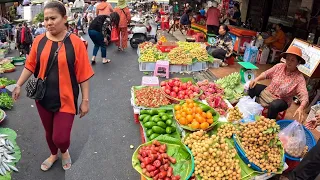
(310,141)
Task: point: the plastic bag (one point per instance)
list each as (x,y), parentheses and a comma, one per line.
(114,34)
(294,140)
(248,107)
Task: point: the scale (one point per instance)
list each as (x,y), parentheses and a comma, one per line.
(247,71)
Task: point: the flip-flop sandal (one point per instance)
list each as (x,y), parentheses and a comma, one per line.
(107,61)
(48,164)
(65,162)
(93,62)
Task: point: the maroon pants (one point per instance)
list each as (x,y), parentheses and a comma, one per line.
(58,129)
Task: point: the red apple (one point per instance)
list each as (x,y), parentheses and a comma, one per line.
(167,91)
(163,83)
(173,94)
(175,89)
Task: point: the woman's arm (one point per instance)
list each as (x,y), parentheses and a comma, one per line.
(24,76)
(85,86)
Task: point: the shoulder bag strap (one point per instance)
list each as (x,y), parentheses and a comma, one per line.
(55,54)
(125,14)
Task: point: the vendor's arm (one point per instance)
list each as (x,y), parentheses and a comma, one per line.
(229,47)
(303,94)
(268,74)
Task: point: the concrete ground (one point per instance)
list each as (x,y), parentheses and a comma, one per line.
(100,146)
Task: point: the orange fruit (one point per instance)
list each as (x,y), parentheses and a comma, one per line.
(195,105)
(194,110)
(190,105)
(210,120)
(189,118)
(209,115)
(177,107)
(201,120)
(198,110)
(189,111)
(178,116)
(195,125)
(183,121)
(204,114)
(188,101)
(204,125)
(183,114)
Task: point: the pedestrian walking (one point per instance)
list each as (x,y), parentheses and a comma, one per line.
(25,39)
(213,16)
(125,19)
(99,32)
(68,68)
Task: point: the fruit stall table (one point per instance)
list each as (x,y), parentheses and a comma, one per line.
(241,35)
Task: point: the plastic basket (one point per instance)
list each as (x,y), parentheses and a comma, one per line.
(178,68)
(243,156)
(310,139)
(197,66)
(147,66)
(313,111)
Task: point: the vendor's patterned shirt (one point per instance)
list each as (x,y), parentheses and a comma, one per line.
(225,42)
(286,85)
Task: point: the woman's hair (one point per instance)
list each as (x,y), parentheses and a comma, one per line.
(225,27)
(115,18)
(237,5)
(58,6)
(25,24)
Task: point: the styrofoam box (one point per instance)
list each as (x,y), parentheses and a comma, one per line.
(198,66)
(146,66)
(178,68)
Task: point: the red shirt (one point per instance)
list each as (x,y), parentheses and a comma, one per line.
(213,15)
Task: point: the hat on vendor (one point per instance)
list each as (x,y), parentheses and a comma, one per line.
(122,4)
(295,51)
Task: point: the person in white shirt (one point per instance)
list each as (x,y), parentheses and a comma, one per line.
(40,30)
(78,4)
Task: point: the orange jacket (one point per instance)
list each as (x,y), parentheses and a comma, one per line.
(125,16)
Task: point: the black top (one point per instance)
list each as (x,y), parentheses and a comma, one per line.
(237,16)
(100,23)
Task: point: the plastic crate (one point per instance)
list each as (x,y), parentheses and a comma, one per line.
(147,66)
(313,111)
(216,63)
(198,66)
(310,139)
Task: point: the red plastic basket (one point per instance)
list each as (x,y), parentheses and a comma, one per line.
(167,46)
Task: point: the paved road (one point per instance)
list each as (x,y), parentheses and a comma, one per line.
(100,141)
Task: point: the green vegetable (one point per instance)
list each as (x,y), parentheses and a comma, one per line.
(153,136)
(157,119)
(161,124)
(169,122)
(162,110)
(153,117)
(6,82)
(162,114)
(169,130)
(149,125)
(149,132)
(146,119)
(153,112)
(6,101)
(164,117)
(158,130)
(144,111)
(141,117)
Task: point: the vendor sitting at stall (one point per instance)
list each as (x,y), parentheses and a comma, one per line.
(286,82)
(278,40)
(223,46)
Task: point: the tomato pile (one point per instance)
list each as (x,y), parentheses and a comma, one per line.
(180,90)
(155,162)
(150,97)
(213,94)
(196,116)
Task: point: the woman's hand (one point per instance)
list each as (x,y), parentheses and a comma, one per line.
(84,108)
(16,93)
(312,124)
(300,113)
(253,84)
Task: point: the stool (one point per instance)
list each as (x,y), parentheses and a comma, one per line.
(190,32)
(164,65)
(280,116)
(199,37)
(150,81)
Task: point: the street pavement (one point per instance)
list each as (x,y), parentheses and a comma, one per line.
(100,144)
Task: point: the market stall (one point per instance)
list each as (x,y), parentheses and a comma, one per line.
(190,130)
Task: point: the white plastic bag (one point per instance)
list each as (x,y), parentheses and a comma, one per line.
(294,140)
(248,107)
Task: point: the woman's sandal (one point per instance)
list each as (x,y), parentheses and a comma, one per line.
(48,164)
(106,61)
(65,162)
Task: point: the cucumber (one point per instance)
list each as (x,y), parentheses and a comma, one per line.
(149,132)
(149,125)
(169,122)
(161,124)
(153,117)
(153,112)
(142,116)
(158,130)
(162,110)
(144,111)
(169,130)
(146,119)
(153,136)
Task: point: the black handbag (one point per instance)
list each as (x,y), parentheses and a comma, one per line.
(36,87)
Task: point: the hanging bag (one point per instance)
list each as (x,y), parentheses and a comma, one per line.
(36,87)
(114,34)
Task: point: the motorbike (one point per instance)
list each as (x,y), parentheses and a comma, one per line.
(143,29)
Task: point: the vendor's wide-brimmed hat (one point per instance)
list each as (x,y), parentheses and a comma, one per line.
(296,51)
(122,4)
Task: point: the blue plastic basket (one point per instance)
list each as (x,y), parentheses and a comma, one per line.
(244,158)
(310,139)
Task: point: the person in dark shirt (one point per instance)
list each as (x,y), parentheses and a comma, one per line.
(99,30)
(236,18)
(184,20)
